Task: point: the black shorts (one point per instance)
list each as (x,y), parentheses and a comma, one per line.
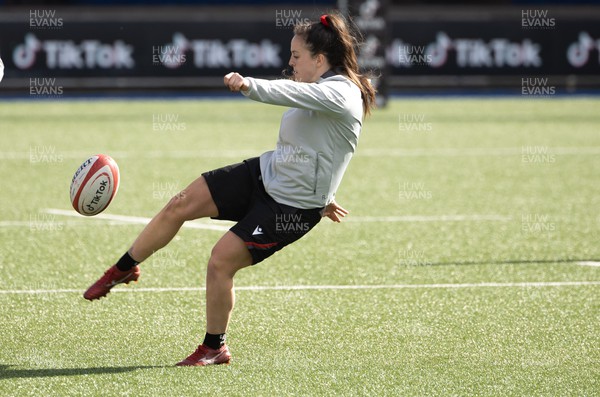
(264,225)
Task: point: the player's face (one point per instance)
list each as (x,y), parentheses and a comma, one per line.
(302,61)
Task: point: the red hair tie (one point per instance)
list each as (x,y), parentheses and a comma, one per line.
(324,20)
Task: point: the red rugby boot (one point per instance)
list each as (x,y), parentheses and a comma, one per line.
(204,355)
(112,277)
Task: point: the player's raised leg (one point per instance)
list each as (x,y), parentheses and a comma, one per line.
(194,202)
(228,256)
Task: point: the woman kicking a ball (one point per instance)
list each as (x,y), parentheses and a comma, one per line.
(328,99)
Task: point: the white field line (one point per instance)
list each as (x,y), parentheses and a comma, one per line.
(156,154)
(535,284)
(465,152)
(225,225)
(134,219)
(14,223)
(589,263)
(367,152)
(429,218)
(34,224)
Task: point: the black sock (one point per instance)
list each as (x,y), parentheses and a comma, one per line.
(126,262)
(214,341)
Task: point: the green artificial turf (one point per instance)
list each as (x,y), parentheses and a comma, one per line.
(457,272)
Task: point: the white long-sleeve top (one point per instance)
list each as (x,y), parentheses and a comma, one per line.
(317,138)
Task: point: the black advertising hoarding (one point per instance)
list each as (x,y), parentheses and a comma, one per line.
(160,49)
(494,48)
(181,52)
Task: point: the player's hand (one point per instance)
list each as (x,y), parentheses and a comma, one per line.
(334,211)
(236,82)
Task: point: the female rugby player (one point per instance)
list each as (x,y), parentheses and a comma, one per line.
(328,100)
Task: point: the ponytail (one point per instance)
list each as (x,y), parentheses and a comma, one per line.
(332,38)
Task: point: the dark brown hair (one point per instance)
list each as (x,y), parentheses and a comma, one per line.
(337,43)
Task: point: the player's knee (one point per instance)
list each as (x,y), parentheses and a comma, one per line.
(178,206)
(217,266)
(221,263)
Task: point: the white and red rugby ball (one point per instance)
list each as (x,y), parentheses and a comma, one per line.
(94,185)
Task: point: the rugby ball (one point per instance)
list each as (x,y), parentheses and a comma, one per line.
(94,185)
